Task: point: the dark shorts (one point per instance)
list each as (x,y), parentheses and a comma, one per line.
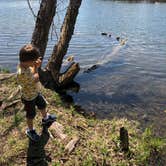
(29,106)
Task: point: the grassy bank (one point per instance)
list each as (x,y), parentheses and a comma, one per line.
(99,141)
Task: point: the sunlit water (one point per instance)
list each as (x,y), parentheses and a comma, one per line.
(131,81)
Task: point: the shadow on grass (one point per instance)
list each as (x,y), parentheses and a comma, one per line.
(36,155)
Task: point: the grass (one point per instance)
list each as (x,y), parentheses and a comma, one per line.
(99,139)
(4,70)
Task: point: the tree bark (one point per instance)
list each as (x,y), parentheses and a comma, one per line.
(71,145)
(69,74)
(60,49)
(43,22)
(51,76)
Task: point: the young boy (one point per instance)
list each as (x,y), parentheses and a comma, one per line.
(28,79)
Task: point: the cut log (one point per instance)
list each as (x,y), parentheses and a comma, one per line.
(71,145)
(57,131)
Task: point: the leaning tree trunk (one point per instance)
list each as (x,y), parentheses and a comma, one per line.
(51,76)
(60,49)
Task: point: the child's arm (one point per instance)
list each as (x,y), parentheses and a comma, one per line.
(36,77)
(35,69)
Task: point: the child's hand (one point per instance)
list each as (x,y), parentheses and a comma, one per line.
(38,62)
(36,77)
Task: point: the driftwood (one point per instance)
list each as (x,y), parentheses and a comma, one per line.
(57,131)
(6,76)
(71,145)
(13,99)
(6,105)
(124,139)
(14,94)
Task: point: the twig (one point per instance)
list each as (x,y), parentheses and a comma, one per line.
(30,7)
(53,30)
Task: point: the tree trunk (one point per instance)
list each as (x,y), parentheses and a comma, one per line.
(67,30)
(51,76)
(60,49)
(43,22)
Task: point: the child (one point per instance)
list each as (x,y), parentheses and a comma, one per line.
(28,79)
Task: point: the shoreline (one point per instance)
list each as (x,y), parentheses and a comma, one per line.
(98,139)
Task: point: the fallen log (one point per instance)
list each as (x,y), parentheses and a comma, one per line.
(14,94)
(71,145)
(6,76)
(6,105)
(57,131)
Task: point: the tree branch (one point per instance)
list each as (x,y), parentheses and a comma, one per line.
(30,7)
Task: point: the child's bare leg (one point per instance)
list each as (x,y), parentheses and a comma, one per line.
(44,113)
(30,132)
(30,124)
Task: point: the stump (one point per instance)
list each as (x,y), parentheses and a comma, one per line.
(124,139)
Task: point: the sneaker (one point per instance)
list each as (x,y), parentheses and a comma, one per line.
(32,135)
(48,122)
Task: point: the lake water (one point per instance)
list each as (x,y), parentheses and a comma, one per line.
(131,81)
